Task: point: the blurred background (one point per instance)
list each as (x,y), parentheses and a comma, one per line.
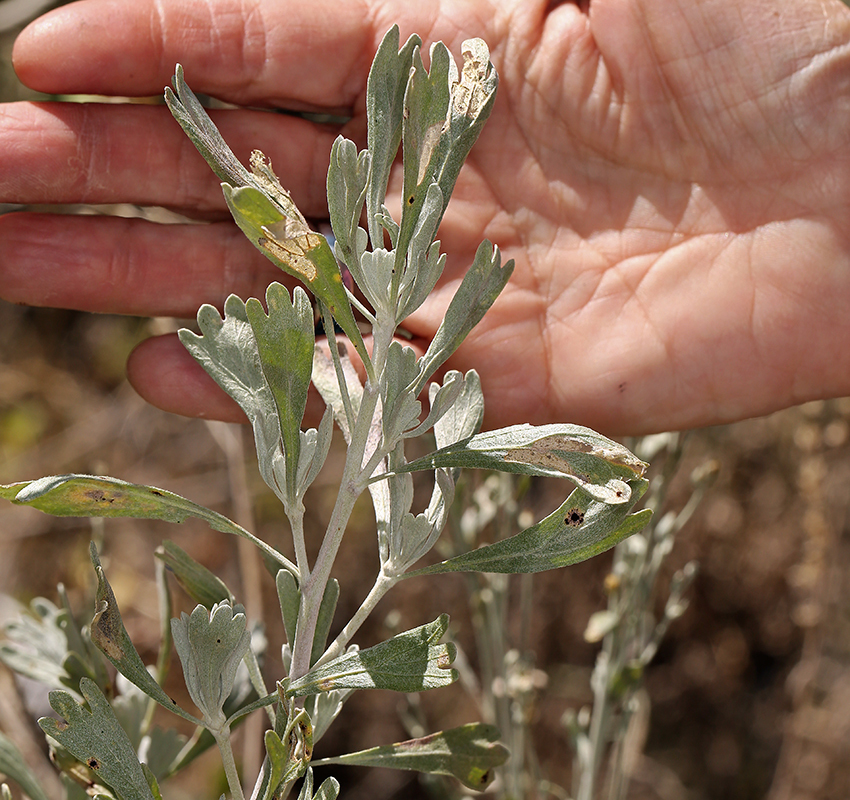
(749,693)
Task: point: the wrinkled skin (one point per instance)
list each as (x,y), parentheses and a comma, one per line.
(672,179)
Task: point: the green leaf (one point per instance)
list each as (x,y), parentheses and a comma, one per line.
(195,121)
(327,609)
(290,244)
(289,597)
(409,662)
(211,645)
(465,416)
(111,637)
(200,584)
(327,791)
(36,644)
(580,529)
(285,341)
(600,466)
(13,766)
(96,496)
(385,90)
(348,174)
(478,290)
(95,738)
(469,753)
(227,350)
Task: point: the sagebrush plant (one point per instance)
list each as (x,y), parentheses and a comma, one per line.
(266,357)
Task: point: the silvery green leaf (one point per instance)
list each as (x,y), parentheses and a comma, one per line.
(385,90)
(409,662)
(36,644)
(465,416)
(202,585)
(597,464)
(472,99)
(440,399)
(111,637)
(289,598)
(327,791)
(386,221)
(324,708)
(401,409)
(195,121)
(348,174)
(95,738)
(580,529)
(315,445)
(325,381)
(426,107)
(469,753)
(327,609)
(211,645)
(415,536)
(285,342)
(391,499)
(227,350)
(478,290)
(376,268)
(13,766)
(96,496)
(423,264)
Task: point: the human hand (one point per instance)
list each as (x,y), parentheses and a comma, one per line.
(672,179)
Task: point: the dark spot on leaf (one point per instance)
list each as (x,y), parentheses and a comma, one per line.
(158,494)
(218,641)
(99,496)
(485,778)
(411,200)
(574,518)
(93,763)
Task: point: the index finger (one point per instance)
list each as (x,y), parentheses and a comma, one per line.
(282,53)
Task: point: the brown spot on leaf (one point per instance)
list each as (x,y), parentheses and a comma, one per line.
(93,763)
(574,518)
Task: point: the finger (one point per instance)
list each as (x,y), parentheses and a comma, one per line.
(283,52)
(95,153)
(163,373)
(126,266)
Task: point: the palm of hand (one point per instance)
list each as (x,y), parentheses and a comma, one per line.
(682,256)
(671,183)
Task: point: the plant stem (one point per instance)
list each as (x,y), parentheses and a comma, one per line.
(382,585)
(222,739)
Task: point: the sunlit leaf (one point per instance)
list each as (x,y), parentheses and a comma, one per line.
(469,753)
(580,529)
(97,496)
(409,662)
(600,466)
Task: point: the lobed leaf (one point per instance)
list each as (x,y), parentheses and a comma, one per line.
(285,342)
(95,738)
(211,644)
